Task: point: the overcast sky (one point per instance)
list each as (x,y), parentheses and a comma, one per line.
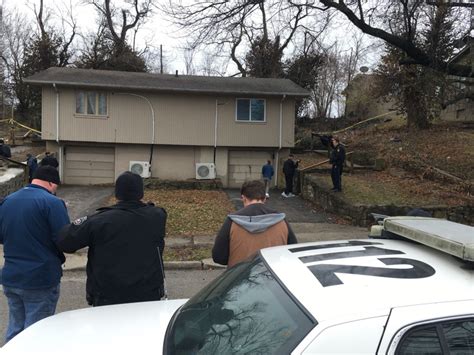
(157,31)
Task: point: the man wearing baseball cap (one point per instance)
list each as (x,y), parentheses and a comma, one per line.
(30,220)
(126,243)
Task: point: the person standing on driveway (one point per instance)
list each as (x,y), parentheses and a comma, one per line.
(289,170)
(30,220)
(126,243)
(49,160)
(5,150)
(337,158)
(32,165)
(251,228)
(267,174)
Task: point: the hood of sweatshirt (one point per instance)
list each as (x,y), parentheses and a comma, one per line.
(257,224)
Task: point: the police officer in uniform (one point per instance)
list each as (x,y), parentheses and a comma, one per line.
(126,243)
(337,158)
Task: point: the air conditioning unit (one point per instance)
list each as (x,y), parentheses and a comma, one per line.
(141,168)
(205,171)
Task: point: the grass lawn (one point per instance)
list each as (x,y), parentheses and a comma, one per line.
(187,253)
(381,188)
(192,212)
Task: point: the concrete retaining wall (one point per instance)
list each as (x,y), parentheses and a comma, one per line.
(360,214)
(13,184)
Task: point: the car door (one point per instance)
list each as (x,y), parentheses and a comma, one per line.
(360,336)
(435,328)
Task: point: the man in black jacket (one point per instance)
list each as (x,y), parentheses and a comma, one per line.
(49,160)
(289,169)
(5,149)
(126,243)
(337,158)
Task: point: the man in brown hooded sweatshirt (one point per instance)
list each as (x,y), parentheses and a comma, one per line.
(251,228)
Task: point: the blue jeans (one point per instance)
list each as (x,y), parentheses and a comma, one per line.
(28,306)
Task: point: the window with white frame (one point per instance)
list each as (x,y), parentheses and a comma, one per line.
(250,110)
(92,103)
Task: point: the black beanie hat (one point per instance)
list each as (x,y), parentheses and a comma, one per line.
(129,187)
(47,173)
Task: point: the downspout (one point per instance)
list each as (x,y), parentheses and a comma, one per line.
(215,135)
(152,121)
(60,148)
(279,139)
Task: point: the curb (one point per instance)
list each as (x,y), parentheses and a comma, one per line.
(206,264)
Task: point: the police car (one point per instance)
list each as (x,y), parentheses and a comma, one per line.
(409,290)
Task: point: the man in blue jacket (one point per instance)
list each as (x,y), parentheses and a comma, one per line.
(267,174)
(30,220)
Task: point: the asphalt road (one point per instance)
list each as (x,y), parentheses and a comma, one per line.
(181,284)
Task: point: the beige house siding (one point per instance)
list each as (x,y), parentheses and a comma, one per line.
(185,119)
(179,120)
(48,113)
(255,134)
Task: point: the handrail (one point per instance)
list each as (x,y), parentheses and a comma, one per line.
(321,163)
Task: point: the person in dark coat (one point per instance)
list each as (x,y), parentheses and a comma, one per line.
(32,165)
(126,243)
(49,160)
(289,170)
(338,156)
(30,220)
(5,150)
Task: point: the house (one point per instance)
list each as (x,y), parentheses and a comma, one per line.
(98,122)
(460,100)
(361,100)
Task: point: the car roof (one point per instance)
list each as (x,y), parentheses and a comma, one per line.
(355,279)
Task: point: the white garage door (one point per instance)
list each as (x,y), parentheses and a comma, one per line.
(246,165)
(89,165)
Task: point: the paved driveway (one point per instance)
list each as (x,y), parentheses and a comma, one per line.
(84,200)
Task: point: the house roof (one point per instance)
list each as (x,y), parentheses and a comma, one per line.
(120,80)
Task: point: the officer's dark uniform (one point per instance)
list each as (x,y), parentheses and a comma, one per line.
(126,243)
(338,155)
(49,160)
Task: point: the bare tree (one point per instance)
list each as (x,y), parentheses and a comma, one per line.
(128,19)
(236,25)
(398,23)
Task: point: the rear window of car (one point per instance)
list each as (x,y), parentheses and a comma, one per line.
(244,311)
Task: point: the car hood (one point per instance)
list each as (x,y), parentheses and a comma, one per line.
(134,328)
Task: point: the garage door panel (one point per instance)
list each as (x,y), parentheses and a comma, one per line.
(245,166)
(100,157)
(88,180)
(89,165)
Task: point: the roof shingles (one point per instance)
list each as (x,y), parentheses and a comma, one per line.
(107,79)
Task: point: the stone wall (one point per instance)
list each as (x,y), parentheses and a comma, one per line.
(360,214)
(12,185)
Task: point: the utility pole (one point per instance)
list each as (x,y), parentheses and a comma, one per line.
(161,59)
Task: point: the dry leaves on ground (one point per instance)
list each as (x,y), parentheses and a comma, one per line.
(381,188)
(192,212)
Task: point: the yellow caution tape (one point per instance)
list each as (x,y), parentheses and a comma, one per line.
(12,121)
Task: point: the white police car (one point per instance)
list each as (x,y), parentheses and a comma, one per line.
(374,296)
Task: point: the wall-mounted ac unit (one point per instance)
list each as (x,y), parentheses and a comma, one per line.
(141,168)
(205,171)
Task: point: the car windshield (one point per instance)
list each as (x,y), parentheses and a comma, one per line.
(244,311)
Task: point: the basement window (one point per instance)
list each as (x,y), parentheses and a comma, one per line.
(91,103)
(250,110)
